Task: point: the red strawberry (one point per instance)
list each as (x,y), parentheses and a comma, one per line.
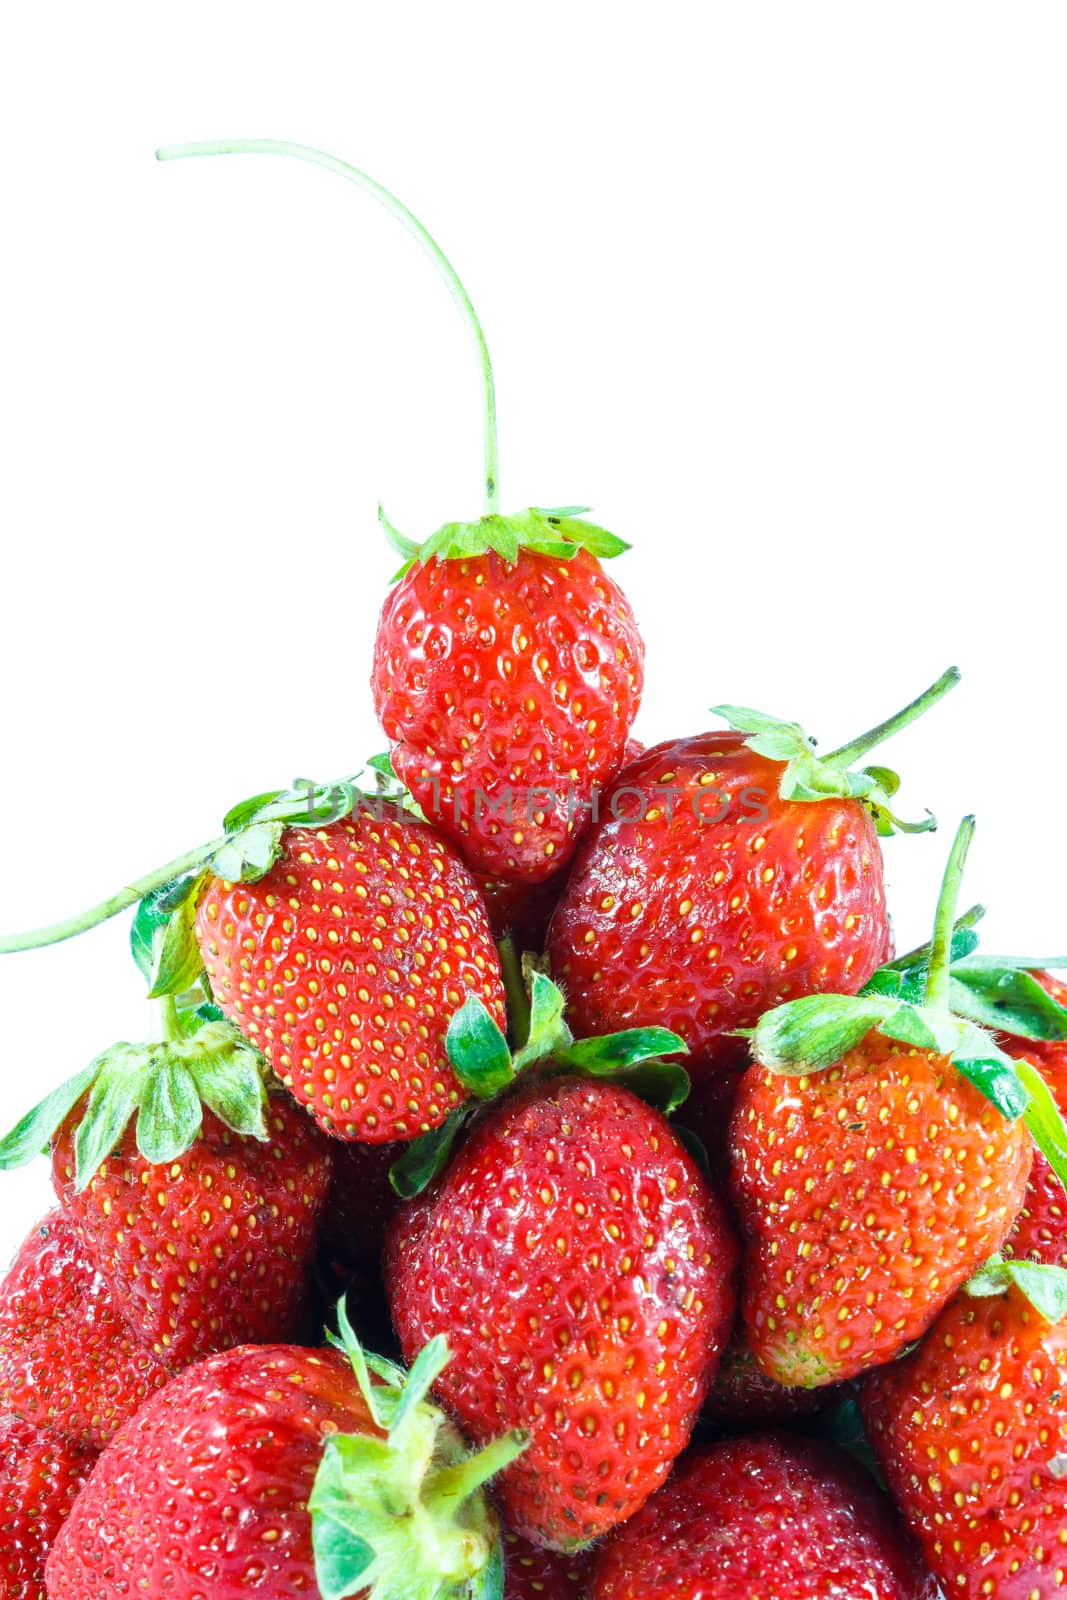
(507,690)
(345,963)
(520,911)
(40,1475)
(358,1209)
(742,1395)
(68,1361)
(1041,1231)
(727,873)
(217,1484)
(879,1156)
(971,1431)
(583,1274)
(213,1248)
(533,1574)
(764,1518)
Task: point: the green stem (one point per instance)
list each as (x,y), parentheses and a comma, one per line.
(515,990)
(938,976)
(849,753)
(126,897)
(466,1477)
(303,152)
(167,1026)
(911,958)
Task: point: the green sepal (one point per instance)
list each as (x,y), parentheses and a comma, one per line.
(152,915)
(632,1059)
(177,964)
(995,1076)
(255,827)
(1044,1119)
(399,1511)
(478,1051)
(547,1034)
(165,1083)
(426,1157)
(810,778)
(1044,1286)
(552,532)
(997,993)
(31,1136)
(812,1033)
(250,854)
(905,977)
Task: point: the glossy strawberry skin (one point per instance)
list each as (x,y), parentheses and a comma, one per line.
(69,1362)
(40,1476)
(968,1429)
(496,681)
(204,1492)
(345,965)
(533,1574)
(867,1194)
(215,1249)
(583,1274)
(1041,1231)
(708,900)
(768,1516)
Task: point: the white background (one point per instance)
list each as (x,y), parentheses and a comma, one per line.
(778,289)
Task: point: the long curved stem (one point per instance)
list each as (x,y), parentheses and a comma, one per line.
(303,152)
(939,973)
(128,896)
(851,752)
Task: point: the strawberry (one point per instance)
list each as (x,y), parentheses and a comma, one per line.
(533,1574)
(68,1361)
(40,1475)
(285,1471)
(727,873)
(344,964)
(880,1154)
(1041,1231)
(971,1432)
(768,1518)
(583,1274)
(520,911)
(742,1395)
(358,1209)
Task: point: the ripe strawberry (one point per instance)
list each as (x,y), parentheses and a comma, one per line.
(583,1274)
(213,1248)
(68,1361)
(533,1574)
(767,1516)
(971,1431)
(1041,1231)
(40,1475)
(878,1159)
(282,1470)
(344,964)
(742,1395)
(520,911)
(727,873)
(507,689)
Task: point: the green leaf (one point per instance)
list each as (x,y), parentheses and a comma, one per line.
(477,1050)
(610,1052)
(249,854)
(342,1558)
(1044,1286)
(348,1342)
(994,1074)
(426,1157)
(398,541)
(548,1034)
(1044,1119)
(230,1083)
(1006,997)
(170,1117)
(33,1133)
(428,1366)
(178,962)
(245,811)
(113,1099)
(811,1034)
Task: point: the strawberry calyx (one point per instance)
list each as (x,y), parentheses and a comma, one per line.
(810,777)
(166,1084)
(487,1066)
(1045,1286)
(403,1515)
(938,1014)
(557,532)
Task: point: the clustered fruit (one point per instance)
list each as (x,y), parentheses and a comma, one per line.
(673,1238)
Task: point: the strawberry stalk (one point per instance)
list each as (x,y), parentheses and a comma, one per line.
(402,1516)
(808,777)
(937,978)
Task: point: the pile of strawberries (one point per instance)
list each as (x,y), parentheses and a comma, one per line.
(545,1179)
